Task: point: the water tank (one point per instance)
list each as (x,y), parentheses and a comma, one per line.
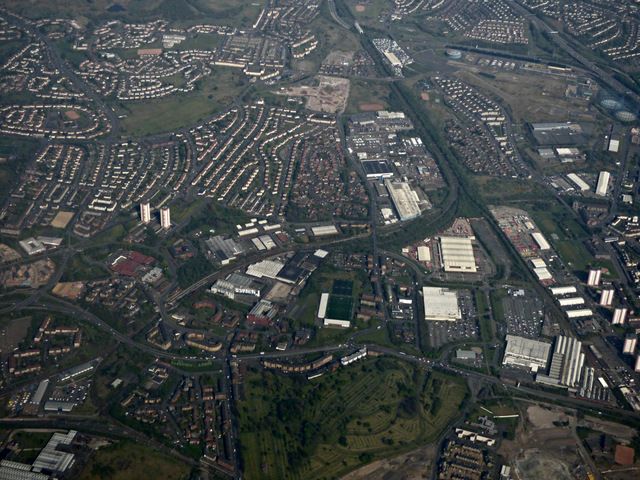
(455,54)
(610,104)
(626,116)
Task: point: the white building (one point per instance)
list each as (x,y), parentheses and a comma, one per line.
(594,277)
(602,187)
(606,297)
(526,353)
(405,200)
(441,304)
(619,316)
(457,254)
(165,218)
(145,212)
(630,344)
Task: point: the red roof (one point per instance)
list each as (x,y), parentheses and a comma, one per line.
(624,455)
(141,259)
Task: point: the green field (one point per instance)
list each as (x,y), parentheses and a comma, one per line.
(182,110)
(228,12)
(291,428)
(131,461)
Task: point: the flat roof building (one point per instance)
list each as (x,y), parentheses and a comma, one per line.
(441,304)
(457,254)
(526,353)
(404,199)
(602,187)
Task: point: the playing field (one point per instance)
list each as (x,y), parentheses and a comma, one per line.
(339,307)
(342,287)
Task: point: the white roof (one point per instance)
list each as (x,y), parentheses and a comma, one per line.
(457,254)
(526,352)
(441,304)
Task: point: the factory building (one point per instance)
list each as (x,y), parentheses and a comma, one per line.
(594,277)
(580,313)
(165,218)
(630,344)
(606,297)
(441,304)
(526,353)
(145,213)
(265,268)
(572,301)
(404,199)
(237,284)
(602,187)
(559,291)
(619,316)
(567,363)
(540,241)
(581,184)
(457,254)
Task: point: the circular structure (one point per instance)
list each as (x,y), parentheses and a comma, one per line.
(611,104)
(626,116)
(452,53)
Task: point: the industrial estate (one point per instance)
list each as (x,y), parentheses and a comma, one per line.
(320,239)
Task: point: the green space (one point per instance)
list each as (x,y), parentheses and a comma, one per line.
(561,228)
(330,37)
(366,12)
(80,268)
(292,428)
(174,112)
(225,12)
(339,307)
(32,440)
(363,92)
(127,460)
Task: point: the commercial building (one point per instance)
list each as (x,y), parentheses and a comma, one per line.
(526,353)
(602,187)
(457,254)
(145,212)
(606,297)
(404,199)
(165,218)
(594,277)
(441,304)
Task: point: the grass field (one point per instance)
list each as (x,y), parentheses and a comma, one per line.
(564,233)
(228,12)
(183,110)
(131,461)
(367,92)
(291,428)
